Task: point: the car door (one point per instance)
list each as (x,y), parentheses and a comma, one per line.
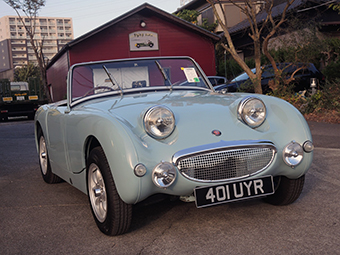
(56,140)
(76,124)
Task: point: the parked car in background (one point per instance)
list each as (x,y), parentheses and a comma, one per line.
(303,78)
(217,80)
(134,128)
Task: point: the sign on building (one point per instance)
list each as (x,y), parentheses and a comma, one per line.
(143,41)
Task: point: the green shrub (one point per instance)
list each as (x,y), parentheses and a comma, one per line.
(331,71)
(328,98)
(331,95)
(313,103)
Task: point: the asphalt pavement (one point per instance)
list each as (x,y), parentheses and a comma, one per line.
(325,135)
(38,218)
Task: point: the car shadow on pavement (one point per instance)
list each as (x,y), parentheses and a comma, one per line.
(152,209)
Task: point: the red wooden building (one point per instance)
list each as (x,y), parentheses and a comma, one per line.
(145,31)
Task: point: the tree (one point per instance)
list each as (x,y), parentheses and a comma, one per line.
(192,15)
(189,15)
(260,31)
(30,9)
(25,72)
(335,7)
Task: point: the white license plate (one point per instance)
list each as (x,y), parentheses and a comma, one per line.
(229,192)
(21,98)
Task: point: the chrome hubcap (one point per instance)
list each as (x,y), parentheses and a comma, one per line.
(97,192)
(43,155)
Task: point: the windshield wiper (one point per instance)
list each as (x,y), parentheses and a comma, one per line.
(112,78)
(165,76)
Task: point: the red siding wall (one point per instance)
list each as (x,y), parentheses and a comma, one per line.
(57,76)
(113,43)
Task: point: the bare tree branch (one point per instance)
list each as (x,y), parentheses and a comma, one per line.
(257,28)
(275,27)
(230,48)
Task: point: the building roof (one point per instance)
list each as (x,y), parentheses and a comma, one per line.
(194,4)
(276,11)
(142,8)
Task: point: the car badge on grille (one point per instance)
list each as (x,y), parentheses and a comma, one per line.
(216,132)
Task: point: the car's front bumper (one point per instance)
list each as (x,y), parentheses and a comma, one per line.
(222,163)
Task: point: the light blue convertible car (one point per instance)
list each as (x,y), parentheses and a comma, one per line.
(134,128)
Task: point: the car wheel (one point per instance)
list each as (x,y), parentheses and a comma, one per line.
(44,162)
(286,190)
(112,215)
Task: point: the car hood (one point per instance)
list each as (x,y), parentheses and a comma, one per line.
(195,111)
(198,114)
(195,106)
(191,101)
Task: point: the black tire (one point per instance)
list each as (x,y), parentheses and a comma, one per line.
(286,190)
(112,215)
(44,162)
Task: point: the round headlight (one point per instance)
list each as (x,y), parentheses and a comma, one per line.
(252,111)
(164,174)
(159,122)
(293,154)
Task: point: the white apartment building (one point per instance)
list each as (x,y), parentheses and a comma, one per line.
(15,48)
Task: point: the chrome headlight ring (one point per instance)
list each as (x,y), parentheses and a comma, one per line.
(293,154)
(252,111)
(159,122)
(164,175)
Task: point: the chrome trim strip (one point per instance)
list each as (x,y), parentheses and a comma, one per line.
(220,146)
(72,103)
(132,91)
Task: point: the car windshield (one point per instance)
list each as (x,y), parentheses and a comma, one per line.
(243,76)
(135,74)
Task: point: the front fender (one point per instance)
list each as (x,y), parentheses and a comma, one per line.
(40,123)
(119,145)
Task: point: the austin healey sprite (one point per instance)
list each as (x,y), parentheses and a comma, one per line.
(133,128)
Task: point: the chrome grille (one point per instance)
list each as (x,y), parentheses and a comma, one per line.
(225,164)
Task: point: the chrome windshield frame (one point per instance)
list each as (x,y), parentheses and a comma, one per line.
(71,103)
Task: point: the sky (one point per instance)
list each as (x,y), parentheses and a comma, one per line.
(89,14)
